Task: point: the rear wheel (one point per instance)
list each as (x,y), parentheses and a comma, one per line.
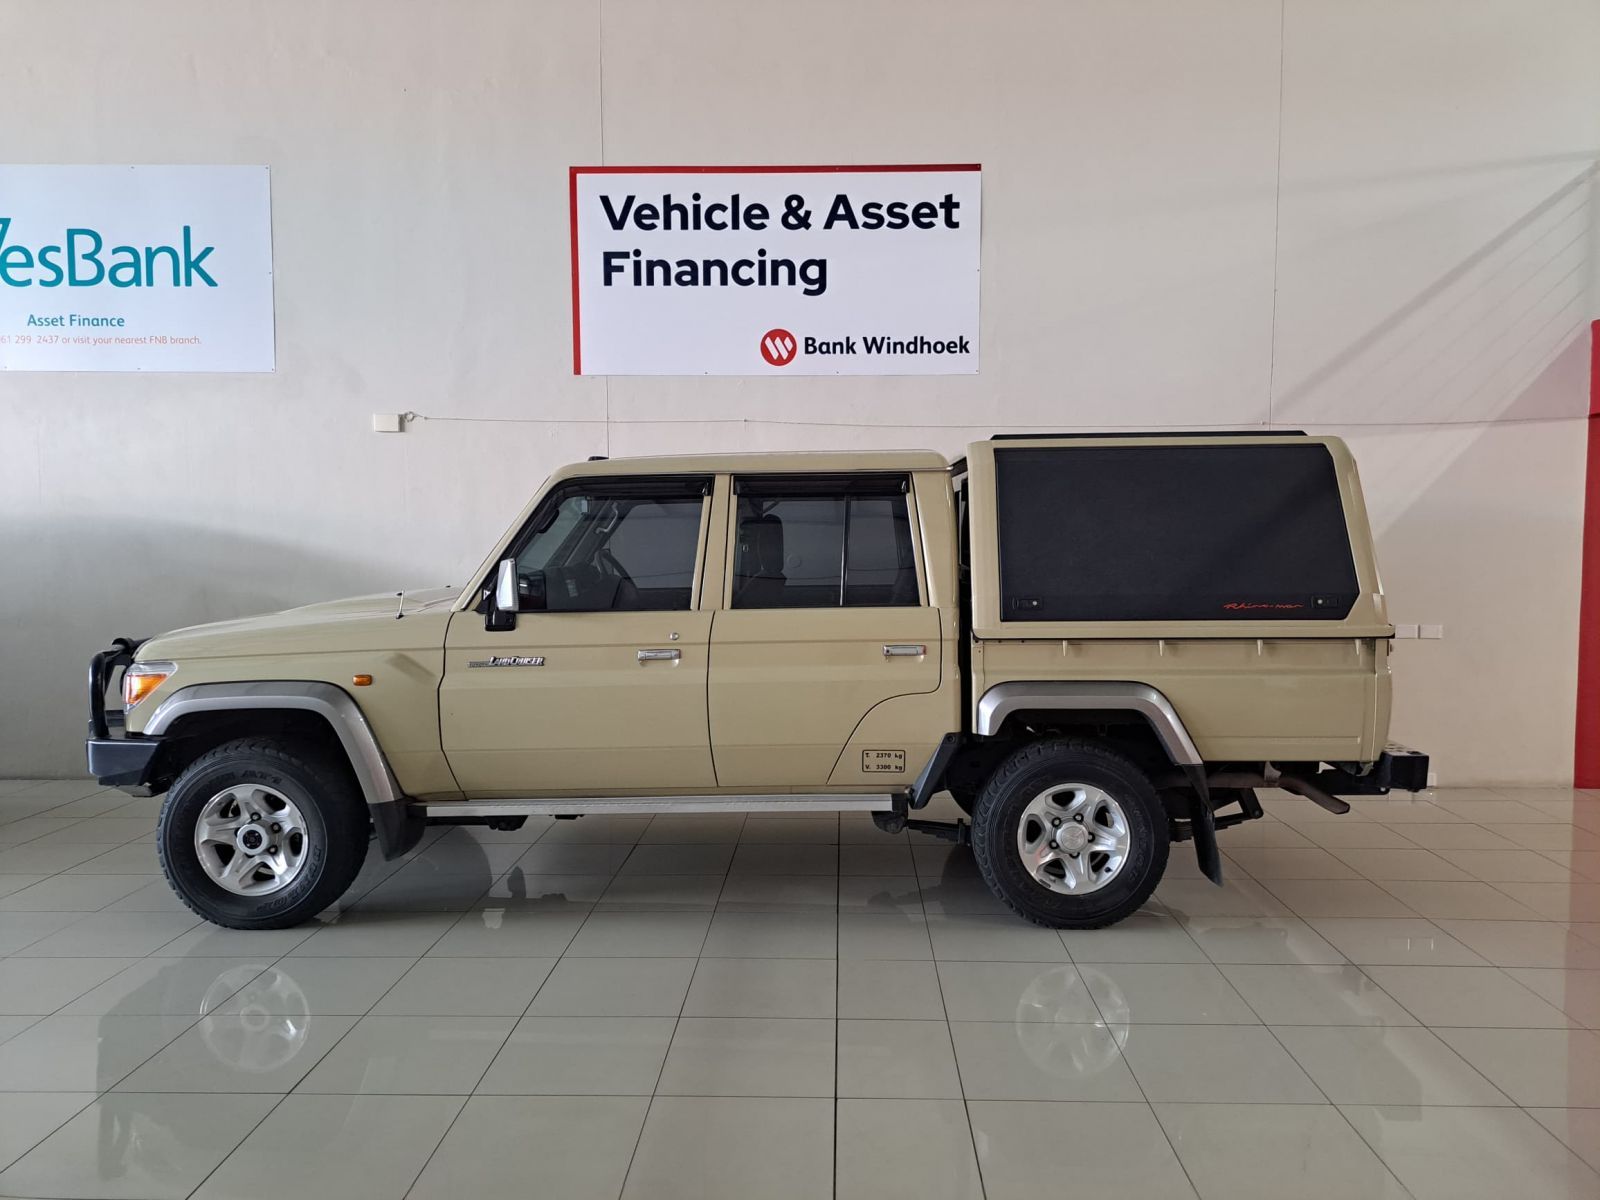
(1070,834)
(260,834)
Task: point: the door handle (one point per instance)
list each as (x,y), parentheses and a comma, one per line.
(904,651)
(659,656)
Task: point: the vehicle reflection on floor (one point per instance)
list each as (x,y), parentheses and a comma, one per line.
(1070,1050)
(254,1019)
(1364,1000)
(271,1023)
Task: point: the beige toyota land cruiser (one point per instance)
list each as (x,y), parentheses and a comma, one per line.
(1098,645)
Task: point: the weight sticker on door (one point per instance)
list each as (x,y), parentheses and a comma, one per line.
(883,760)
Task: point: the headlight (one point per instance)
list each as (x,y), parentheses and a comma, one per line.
(142,678)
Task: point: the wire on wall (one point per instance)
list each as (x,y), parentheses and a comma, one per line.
(1057,426)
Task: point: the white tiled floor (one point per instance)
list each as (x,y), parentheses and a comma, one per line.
(1404,1001)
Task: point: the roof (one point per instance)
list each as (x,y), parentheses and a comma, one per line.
(764,461)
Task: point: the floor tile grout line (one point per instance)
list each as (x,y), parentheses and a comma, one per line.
(938,980)
(838,862)
(232,1150)
(338,1041)
(102,1092)
(1420,1024)
(1359,968)
(17,953)
(1371,1149)
(1169,1024)
(32,1020)
(294,1089)
(1329,1100)
(1137,1082)
(99,1092)
(661,1071)
(71,822)
(1433,1030)
(449,1125)
(6,1165)
(745,1096)
(482,1075)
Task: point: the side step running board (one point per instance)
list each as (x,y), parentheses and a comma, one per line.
(573,806)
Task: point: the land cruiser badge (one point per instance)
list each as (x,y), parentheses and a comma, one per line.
(508,660)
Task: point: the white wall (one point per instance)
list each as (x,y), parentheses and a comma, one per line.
(1369,217)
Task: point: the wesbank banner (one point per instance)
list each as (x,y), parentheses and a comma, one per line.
(130,268)
(775,270)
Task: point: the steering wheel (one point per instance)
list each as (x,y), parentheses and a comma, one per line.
(609,561)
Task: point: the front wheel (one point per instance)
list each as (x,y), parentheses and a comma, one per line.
(1070,834)
(259,834)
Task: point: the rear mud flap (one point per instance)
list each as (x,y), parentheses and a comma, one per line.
(1203,826)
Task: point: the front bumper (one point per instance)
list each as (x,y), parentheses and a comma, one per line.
(116,759)
(122,762)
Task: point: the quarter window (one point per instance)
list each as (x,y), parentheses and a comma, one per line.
(818,544)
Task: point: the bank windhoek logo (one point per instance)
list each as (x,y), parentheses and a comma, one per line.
(778,347)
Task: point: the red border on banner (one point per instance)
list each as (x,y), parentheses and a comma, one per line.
(572,202)
(1586,739)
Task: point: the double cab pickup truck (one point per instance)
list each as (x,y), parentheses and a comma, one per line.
(1097,645)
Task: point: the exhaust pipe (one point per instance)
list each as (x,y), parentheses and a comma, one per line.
(1289,783)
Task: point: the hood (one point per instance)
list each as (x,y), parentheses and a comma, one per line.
(356,623)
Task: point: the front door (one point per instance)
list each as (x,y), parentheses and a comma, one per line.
(823,661)
(601,687)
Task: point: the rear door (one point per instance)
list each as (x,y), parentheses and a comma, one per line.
(824,634)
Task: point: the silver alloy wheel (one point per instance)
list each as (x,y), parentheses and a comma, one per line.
(251,840)
(1073,838)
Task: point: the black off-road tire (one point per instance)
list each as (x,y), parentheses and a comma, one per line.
(1045,764)
(336,831)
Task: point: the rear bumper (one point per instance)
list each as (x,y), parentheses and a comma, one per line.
(116,759)
(1399,768)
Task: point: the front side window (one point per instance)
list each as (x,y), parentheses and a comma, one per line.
(626,551)
(807,544)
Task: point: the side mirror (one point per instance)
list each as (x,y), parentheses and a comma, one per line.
(505,586)
(503,604)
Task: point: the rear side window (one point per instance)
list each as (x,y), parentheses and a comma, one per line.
(815,543)
(1172,533)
